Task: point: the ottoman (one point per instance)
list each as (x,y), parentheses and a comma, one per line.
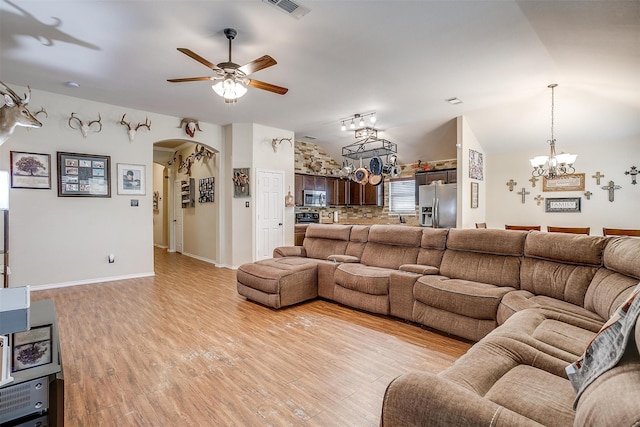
(278,282)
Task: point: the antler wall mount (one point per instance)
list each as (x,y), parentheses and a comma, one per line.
(15,113)
(132,132)
(85,126)
(275,143)
(190,126)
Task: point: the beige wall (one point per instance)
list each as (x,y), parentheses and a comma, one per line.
(467,216)
(159,220)
(611,158)
(56,241)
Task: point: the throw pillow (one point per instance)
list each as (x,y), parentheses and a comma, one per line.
(607,347)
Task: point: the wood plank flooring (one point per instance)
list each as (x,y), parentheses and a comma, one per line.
(184,349)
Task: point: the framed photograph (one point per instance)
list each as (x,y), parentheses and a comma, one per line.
(562,204)
(572,182)
(30,170)
(207,189)
(131,179)
(31,348)
(475,165)
(474,194)
(241,182)
(84,175)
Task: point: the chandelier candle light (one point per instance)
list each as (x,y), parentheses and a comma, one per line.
(553,165)
(361,123)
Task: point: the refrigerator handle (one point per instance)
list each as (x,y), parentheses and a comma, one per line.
(436,219)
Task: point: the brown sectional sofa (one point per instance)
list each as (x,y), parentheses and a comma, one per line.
(533,301)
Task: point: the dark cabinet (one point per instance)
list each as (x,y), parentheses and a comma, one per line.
(342,192)
(448,176)
(372,195)
(298,189)
(308,182)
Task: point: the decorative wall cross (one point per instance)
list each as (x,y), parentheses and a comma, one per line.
(611,188)
(538,199)
(523,193)
(597,176)
(533,181)
(633,172)
(588,194)
(511,184)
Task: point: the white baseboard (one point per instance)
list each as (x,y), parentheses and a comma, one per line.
(160,246)
(90,281)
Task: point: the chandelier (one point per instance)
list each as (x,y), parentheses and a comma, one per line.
(553,165)
(231,88)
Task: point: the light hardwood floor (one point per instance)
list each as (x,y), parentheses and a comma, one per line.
(184,349)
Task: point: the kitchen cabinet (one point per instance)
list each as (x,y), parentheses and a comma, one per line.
(298,189)
(371,195)
(447,176)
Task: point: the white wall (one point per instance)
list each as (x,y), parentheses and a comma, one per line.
(611,158)
(467,216)
(66,240)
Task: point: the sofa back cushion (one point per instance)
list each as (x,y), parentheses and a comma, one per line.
(615,280)
(357,240)
(484,255)
(390,246)
(560,265)
(322,240)
(432,246)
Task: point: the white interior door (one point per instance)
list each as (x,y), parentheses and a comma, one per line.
(177,216)
(269,212)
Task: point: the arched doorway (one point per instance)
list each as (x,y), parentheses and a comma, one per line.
(181,165)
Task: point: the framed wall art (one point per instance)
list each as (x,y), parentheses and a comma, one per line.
(571,182)
(131,179)
(31,348)
(241,182)
(84,175)
(207,190)
(474,194)
(475,165)
(562,204)
(30,170)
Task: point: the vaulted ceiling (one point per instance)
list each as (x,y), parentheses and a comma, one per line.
(402,59)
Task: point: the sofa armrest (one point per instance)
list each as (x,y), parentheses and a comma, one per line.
(420,269)
(285,251)
(343,258)
(421,399)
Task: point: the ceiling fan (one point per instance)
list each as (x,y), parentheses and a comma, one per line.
(233,77)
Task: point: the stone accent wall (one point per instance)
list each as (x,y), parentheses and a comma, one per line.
(309,157)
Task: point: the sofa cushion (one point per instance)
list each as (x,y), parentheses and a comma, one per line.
(607,291)
(490,241)
(322,240)
(564,282)
(357,240)
(487,268)
(432,246)
(270,275)
(622,254)
(521,300)
(566,248)
(468,298)
(390,246)
(363,278)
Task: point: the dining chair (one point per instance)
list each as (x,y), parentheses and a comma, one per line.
(481,225)
(572,230)
(522,227)
(620,232)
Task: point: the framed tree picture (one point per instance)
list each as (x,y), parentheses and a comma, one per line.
(84,175)
(30,170)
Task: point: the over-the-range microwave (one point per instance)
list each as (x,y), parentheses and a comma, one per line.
(315,198)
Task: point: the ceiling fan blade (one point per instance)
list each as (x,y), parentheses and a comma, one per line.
(192,79)
(267,86)
(198,58)
(258,64)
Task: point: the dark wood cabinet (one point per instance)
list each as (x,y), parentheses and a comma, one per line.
(340,192)
(298,189)
(447,176)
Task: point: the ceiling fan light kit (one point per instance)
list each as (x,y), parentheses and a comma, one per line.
(233,80)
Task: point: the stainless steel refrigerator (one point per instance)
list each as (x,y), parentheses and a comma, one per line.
(438,205)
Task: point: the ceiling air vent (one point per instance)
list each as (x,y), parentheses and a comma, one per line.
(289,7)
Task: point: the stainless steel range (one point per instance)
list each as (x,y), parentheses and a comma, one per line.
(307,217)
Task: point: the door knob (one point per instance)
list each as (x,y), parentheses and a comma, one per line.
(279,223)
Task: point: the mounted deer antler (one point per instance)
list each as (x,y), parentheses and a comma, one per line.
(202,152)
(41,110)
(84,127)
(275,143)
(191,125)
(132,132)
(15,113)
